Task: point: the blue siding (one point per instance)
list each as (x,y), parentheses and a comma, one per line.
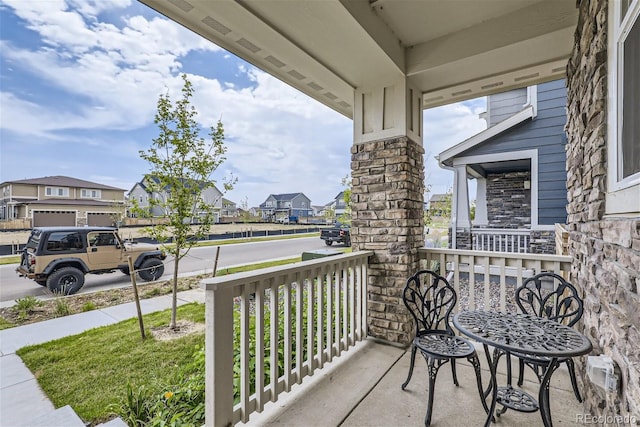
(504,105)
(545,133)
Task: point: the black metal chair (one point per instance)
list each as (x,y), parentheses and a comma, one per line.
(549,295)
(430,300)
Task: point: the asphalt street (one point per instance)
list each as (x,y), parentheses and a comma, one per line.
(199,260)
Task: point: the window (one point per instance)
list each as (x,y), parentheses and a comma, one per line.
(57,191)
(90,194)
(102,239)
(623,142)
(64,241)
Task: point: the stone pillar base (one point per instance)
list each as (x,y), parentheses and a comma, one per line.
(387,218)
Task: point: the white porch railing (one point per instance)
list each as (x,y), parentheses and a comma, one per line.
(280,324)
(493,291)
(500,240)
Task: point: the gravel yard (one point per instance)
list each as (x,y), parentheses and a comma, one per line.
(494,295)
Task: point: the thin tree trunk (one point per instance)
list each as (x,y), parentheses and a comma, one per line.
(174,302)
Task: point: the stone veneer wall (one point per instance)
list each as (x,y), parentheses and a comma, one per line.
(508,203)
(606,251)
(387,190)
(542,242)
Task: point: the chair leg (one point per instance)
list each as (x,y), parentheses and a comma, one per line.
(453,372)
(475,362)
(574,381)
(413,361)
(433,371)
(509,376)
(520,372)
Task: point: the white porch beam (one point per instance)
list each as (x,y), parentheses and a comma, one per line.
(530,25)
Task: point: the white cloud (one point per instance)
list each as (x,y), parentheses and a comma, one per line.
(445,127)
(111,73)
(121,70)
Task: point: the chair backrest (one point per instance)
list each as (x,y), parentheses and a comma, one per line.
(549,295)
(430,300)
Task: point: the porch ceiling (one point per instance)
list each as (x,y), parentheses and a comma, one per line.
(482,169)
(451,50)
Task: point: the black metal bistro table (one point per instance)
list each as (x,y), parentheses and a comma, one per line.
(525,334)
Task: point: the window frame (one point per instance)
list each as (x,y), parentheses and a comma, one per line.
(90,192)
(54,191)
(623,194)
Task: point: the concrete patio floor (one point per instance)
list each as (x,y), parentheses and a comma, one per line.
(363,389)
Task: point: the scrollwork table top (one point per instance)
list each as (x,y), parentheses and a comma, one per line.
(522,333)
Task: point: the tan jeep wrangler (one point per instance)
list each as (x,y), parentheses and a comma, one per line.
(59,257)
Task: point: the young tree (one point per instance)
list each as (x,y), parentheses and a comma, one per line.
(345,218)
(245,215)
(181,164)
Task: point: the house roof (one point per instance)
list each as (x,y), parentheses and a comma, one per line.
(154,179)
(72,202)
(446,157)
(287,196)
(438,198)
(64,181)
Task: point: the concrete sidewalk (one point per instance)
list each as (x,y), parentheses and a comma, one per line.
(22,402)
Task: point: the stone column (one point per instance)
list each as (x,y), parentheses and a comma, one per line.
(605,249)
(387,170)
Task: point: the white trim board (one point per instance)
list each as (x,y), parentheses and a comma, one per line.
(532,155)
(527,113)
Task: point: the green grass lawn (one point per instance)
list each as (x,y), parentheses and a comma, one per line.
(90,371)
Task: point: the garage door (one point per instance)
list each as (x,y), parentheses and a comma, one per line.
(53,218)
(100,219)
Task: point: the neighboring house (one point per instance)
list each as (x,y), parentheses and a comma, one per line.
(339,205)
(141,192)
(439,205)
(318,210)
(519,164)
(229,208)
(61,200)
(278,206)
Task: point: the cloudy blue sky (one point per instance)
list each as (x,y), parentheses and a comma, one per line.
(79,82)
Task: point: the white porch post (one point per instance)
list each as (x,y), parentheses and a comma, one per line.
(481,217)
(460,202)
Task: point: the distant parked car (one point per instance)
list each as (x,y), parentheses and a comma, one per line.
(340,233)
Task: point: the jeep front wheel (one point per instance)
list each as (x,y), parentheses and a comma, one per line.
(65,281)
(151,269)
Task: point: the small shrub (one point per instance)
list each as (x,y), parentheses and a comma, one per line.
(27,304)
(153,293)
(88,306)
(62,308)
